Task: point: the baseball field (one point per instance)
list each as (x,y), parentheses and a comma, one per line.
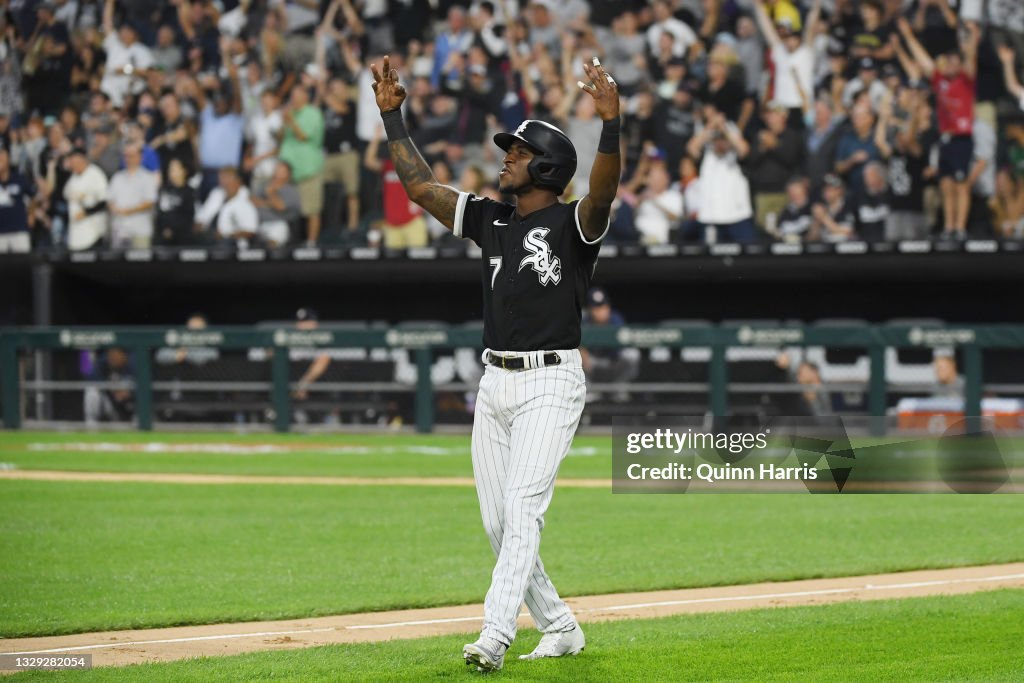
(358,557)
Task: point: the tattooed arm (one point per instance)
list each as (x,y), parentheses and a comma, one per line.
(417,178)
(595,208)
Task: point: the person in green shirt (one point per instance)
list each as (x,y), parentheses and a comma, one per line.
(302,148)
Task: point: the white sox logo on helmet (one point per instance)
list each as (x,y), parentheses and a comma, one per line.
(547,266)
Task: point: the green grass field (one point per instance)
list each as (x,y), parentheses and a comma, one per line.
(83,556)
(965,638)
(77,556)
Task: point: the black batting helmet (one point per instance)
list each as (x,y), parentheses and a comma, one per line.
(555,161)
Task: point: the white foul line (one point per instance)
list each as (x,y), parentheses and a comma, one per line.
(190,639)
(451,620)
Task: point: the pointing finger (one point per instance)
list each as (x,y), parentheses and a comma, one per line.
(376,74)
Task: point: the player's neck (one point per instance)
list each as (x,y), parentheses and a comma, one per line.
(534,200)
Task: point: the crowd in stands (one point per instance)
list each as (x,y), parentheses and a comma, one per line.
(140,123)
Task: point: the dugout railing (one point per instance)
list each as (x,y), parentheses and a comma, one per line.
(969,342)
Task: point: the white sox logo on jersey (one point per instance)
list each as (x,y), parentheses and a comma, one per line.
(547,266)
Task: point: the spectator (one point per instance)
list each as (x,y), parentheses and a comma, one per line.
(871,41)
(165,76)
(86,194)
(222,126)
(278,205)
(907,164)
(1007,205)
(616,366)
(131,197)
(674,123)
(725,93)
(750,52)
(690,186)
(166,54)
(792,58)
(721,148)
(307,319)
(1008,58)
(625,54)
(776,155)
(664,23)
(1013,130)
(262,133)
(176,208)
(127,60)
(867,81)
(982,179)
(196,355)
(834,218)
(342,162)
(103,151)
(116,403)
(404,225)
(175,137)
(47,63)
(16,194)
(456,39)
(660,207)
(302,149)
(935,21)
(872,204)
(953,83)
(228,210)
(815,400)
(794,222)
(822,141)
(948,383)
(637,129)
(857,147)
(585,131)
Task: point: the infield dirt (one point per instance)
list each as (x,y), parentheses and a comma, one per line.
(114,648)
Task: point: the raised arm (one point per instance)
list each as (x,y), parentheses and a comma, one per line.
(811,23)
(695,147)
(1008,57)
(108,18)
(417,178)
(882,126)
(352,20)
(596,207)
(921,56)
(765,22)
(971,49)
(735,138)
(907,62)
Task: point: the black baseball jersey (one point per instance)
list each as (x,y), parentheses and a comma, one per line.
(535,272)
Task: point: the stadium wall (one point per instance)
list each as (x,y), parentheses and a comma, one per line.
(962,287)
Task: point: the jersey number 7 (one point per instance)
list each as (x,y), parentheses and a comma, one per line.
(496,264)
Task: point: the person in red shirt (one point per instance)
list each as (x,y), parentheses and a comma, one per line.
(952,77)
(404,224)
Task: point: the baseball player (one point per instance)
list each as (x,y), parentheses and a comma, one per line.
(538,259)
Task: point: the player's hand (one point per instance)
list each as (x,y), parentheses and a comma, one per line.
(603,89)
(1006,54)
(388,91)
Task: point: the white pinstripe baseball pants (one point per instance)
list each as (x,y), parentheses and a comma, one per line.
(523,426)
